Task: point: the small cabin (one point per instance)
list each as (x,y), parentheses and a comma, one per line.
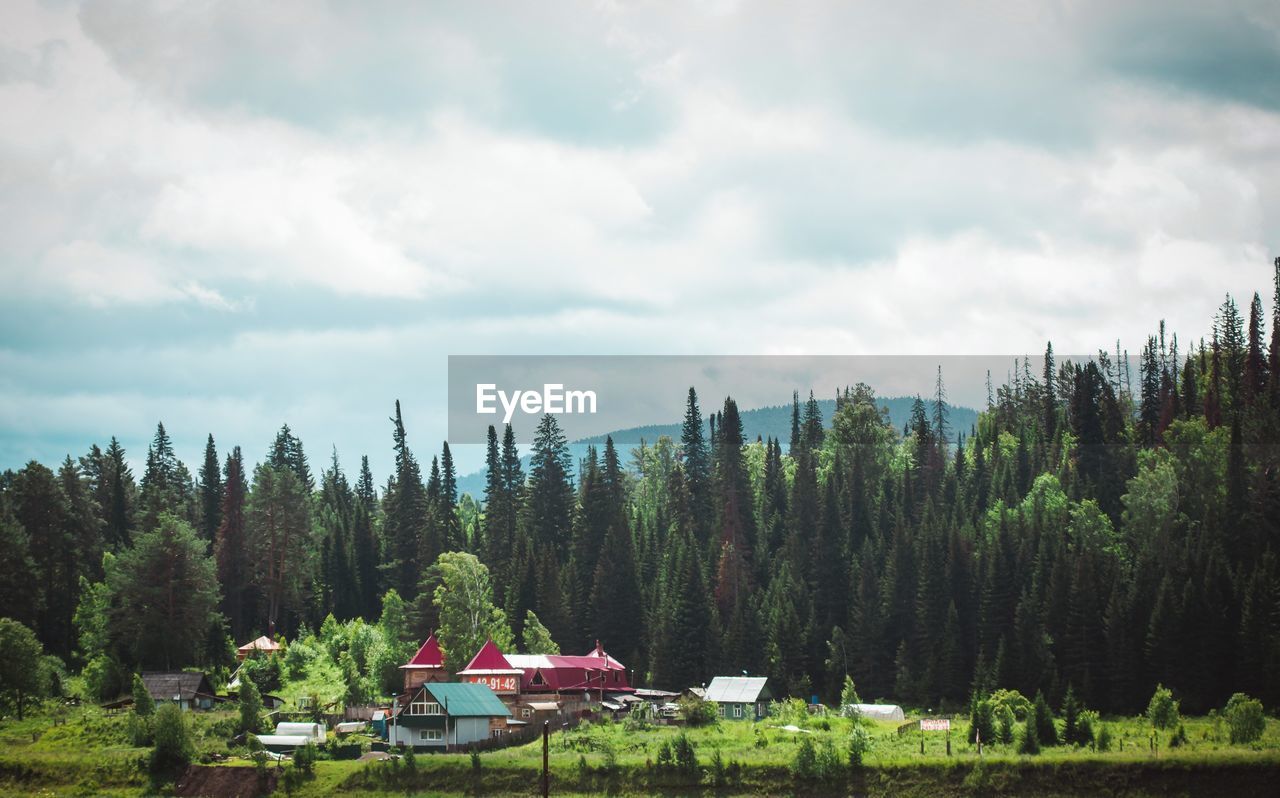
(740,697)
(187,689)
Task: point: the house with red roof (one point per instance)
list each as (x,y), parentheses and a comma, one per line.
(426,666)
(535,683)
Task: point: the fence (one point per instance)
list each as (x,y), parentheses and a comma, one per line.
(523,736)
(362,711)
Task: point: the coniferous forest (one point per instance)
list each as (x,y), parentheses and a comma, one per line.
(1102,529)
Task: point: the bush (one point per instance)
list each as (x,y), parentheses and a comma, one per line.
(859,746)
(1088,722)
(1244,718)
(697,711)
(1014,700)
(304,759)
(790,711)
(173,748)
(1102,742)
(143,704)
(1071,719)
(805,764)
(1046,730)
(250,701)
(1030,740)
(981,720)
(686,758)
(848,698)
(104,678)
(1162,710)
(1005,731)
(1179,737)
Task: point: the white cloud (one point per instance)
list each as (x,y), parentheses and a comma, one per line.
(629,178)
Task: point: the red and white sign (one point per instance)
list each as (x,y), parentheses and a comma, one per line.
(498,684)
(935,724)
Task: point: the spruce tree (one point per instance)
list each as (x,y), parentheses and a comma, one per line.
(210,493)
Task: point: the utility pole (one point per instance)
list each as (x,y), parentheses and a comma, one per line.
(546,762)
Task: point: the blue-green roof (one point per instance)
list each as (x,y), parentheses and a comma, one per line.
(467,700)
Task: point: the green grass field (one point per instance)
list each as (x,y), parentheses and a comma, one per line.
(83,751)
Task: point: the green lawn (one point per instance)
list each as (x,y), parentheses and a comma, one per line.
(84,751)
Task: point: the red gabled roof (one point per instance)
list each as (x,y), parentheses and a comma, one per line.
(429,656)
(489,658)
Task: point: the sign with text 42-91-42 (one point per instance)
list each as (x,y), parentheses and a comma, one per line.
(498,684)
(935,724)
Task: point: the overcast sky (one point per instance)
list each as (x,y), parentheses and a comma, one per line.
(233,215)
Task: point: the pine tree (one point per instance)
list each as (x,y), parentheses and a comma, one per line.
(405,518)
(210,493)
(234,568)
(365,542)
(697,468)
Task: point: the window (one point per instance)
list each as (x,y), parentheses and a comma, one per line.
(422,706)
(431,735)
(526,712)
(497,732)
(720,710)
(737,710)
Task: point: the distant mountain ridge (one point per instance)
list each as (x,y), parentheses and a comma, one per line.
(763,422)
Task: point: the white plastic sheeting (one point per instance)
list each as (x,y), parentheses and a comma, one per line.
(880,711)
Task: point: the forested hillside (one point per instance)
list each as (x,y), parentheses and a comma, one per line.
(760,422)
(1096,530)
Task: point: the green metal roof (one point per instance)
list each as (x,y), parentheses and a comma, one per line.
(467,700)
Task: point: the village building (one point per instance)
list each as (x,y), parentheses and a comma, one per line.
(426,666)
(189,690)
(740,697)
(263,645)
(443,715)
(538,685)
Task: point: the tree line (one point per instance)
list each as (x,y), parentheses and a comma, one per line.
(1091,533)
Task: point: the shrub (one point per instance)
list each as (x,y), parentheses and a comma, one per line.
(790,711)
(304,759)
(1014,700)
(143,704)
(1071,719)
(1030,740)
(719,776)
(104,678)
(849,698)
(1102,742)
(697,711)
(250,701)
(1088,722)
(173,748)
(1179,737)
(475,762)
(805,764)
(829,765)
(1005,732)
(139,730)
(686,758)
(1244,718)
(859,746)
(981,720)
(1046,730)
(1162,710)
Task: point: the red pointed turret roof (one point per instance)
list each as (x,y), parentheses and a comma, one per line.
(488,658)
(429,656)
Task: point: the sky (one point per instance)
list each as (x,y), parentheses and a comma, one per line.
(230,216)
